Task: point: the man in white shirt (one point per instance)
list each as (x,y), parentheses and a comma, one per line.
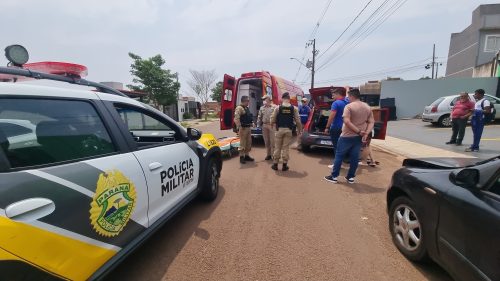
(482,107)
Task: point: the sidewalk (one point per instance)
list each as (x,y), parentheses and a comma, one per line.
(410,149)
(198,122)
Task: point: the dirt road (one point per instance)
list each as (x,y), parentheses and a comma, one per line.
(268,225)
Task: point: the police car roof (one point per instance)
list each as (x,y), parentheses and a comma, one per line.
(21,89)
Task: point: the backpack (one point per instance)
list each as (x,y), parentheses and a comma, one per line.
(488,117)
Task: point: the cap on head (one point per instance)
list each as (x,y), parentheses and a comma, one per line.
(266,97)
(285,96)
(244,98)
(304,99)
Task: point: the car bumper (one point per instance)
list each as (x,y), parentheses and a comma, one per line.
(308,139)
(426,117)
(256,132)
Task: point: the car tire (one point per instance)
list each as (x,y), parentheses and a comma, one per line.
(210,187)
(405,227)
(445,121)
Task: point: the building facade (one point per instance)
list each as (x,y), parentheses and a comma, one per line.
(473,51)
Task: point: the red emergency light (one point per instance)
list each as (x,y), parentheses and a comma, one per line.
(50,67)
(58,68)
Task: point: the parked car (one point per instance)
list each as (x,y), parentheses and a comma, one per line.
(448,210)
(87,176)
(314,130)
(438,112)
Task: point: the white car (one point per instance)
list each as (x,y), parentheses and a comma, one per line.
(438,112)
(86,176)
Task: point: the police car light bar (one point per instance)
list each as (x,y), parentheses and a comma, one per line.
(14,72)
(58,68)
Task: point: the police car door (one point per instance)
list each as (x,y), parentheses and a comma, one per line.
(171,167)
(71,195)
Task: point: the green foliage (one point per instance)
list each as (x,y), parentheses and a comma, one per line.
(149,77)
(187,115)
(217,92)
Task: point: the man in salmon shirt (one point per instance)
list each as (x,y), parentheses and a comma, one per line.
(460,113)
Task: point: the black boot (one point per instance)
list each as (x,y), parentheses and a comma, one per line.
(248,158)
(285,167)
(242,160)
(268,157)
(275,166)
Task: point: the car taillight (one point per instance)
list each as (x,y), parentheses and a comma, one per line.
(434,109)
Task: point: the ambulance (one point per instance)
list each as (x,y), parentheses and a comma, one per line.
(255,85)
(87,175)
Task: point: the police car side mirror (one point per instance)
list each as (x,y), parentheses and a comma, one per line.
(194,134)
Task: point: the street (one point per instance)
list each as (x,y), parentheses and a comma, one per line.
(268,225)
(424,133)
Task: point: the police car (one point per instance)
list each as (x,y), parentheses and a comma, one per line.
(91,175)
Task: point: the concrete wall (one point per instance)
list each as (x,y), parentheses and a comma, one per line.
(483,56)
(484,70)
(467,47)
(412,96)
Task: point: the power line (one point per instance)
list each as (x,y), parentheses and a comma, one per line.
(344,80)
(313,33)
(374,26)
(373,17)
(415,64)
(348,26)
(367,21)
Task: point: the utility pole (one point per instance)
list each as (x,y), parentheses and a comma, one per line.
(313,64)
(433,59)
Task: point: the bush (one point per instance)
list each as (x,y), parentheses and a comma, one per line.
(187,115)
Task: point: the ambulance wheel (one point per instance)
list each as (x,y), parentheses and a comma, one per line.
(211,181)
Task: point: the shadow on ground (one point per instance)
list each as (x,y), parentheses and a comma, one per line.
(163,247)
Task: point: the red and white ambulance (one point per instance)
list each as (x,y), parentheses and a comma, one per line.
(255,85)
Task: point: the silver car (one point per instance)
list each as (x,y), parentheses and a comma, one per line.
(438,112)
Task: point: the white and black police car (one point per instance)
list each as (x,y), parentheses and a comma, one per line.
(87,175)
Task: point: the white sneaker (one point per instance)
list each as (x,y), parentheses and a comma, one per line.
(349,180)
(330,166)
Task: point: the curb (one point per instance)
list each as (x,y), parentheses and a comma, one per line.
(408,149)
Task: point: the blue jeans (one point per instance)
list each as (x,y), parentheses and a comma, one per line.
(334,136)
(477,130)
(351,146)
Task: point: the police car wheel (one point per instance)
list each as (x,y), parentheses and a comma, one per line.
(211,182)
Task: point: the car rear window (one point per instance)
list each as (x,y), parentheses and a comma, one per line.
(437,102)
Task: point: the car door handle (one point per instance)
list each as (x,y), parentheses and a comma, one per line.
(30,209)
(430,190)
(155,166)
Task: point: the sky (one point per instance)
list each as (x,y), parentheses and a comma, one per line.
(237,36)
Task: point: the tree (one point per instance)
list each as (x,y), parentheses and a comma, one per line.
(217,91)
(201,82)
(148,76)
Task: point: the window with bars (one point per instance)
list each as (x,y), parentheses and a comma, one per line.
(492,43)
